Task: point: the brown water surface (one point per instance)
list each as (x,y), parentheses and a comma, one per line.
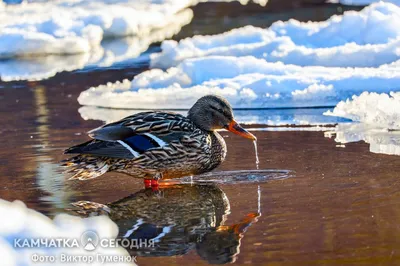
(338,207)
(341,206)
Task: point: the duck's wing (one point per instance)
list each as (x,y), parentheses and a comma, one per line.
(136,134)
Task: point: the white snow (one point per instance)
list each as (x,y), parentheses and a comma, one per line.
(378,117)
(110,52)
(290,64)
(245,82)
(19,222)
(368,38)
(78,26)
(380,140)
(379,110)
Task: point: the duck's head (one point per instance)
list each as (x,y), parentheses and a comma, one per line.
(212,112)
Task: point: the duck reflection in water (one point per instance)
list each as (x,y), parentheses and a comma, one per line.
(178,218)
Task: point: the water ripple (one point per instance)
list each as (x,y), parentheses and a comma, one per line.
(240,176)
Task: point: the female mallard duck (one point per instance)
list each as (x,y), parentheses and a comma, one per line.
(174,220)
(154,145)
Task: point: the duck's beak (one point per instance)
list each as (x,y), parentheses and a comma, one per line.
(234,127)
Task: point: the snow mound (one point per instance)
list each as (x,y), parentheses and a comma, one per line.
(368,38)
(379,110)
(78,26)
(245,82)
(109,53)
(19,222)
(380,140)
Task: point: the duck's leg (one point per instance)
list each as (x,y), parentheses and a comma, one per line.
(147,183)
(154,181)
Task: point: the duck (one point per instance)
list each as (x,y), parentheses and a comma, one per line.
(175,220)
(157,145)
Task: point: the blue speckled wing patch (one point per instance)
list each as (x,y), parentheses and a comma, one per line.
(141,143)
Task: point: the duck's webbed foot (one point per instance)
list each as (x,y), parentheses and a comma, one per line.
(153,182)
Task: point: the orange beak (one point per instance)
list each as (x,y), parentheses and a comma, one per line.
(235,128)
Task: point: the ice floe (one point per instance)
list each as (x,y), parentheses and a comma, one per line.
(21,224)
(378,121)
(330,61)
(270,117)
(368,38)
(78,26)
(380,140)
(110,52)
(378,110)
(247,82)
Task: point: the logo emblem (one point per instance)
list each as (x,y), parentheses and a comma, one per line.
(89,240)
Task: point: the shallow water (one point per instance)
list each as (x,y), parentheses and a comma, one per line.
(339,205)
(311,201)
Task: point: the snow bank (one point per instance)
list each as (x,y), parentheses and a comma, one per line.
(110,52)
(378,114)
(368,38)
(78,26)
(271,117)
(322,64)
(380,140)
(379,110)
(19,222)
(245,82)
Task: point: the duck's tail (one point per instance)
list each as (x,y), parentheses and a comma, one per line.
(86,167)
